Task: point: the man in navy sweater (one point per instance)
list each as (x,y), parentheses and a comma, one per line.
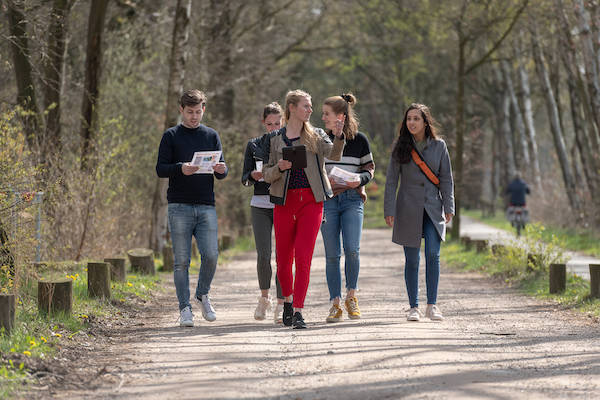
(191,201)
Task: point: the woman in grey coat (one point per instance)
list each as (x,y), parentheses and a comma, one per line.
(421,208)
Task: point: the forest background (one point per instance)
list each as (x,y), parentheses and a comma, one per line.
(87,87)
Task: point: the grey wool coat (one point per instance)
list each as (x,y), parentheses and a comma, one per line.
(417,194)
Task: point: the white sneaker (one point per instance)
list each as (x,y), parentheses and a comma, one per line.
(278,314)
(433,313)
(186,318)
(208,312)
(413,314)
(264,304)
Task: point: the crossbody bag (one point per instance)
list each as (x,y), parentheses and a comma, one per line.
(425,168)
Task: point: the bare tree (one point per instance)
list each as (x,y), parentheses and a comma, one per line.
(577,97)
(522,150)
(590,60)
(181,25)
(93,69)
(53,61)
(528,112)
(555,126)
(505,132)
(26,96)
(468,36)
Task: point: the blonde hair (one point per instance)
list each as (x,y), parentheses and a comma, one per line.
(344,104)
(311,138)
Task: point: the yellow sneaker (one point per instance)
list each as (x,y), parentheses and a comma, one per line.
(352,308)
(335,314)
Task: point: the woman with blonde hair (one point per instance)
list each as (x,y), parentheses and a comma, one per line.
(298,195)
(344,212)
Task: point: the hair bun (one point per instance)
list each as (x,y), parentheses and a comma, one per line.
(349,98)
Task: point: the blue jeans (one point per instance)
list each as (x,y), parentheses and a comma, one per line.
(343,215)
(200,221)
(432,264)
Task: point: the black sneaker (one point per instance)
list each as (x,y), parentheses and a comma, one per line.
(288,311)
(298,321)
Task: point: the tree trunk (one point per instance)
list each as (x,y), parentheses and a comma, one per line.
(460,129)
(158,225)
(117,268)
(142,261)
(26,98)
(582,140)
(55,296)
(7,313)
(168,258)
(99,279)
(523,161)
(595,281)
(93,69)
(557,133)
(528,117)
(505,130)
(53,68)
(558,278)
(589,56)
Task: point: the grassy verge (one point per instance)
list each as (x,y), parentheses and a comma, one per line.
(576,240)
(37,338)
(511,267)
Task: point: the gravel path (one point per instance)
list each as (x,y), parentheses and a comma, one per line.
(494,344)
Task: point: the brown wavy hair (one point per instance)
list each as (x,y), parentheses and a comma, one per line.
(344,104)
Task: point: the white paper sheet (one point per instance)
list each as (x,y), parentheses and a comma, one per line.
(205,160)
(341,175)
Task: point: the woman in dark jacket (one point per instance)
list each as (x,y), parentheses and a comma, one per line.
(422,208)
(255,158)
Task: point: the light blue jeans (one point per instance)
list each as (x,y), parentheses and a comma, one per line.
(432,264)
(343,214)
(187,221)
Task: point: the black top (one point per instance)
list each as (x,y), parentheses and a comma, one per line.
(357,153)
(517,190)
(256,149)
(177,146)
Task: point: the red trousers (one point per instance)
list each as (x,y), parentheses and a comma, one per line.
(296,225)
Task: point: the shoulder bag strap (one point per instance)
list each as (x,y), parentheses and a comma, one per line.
(424,167)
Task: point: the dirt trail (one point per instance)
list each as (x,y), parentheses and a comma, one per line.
(494,344)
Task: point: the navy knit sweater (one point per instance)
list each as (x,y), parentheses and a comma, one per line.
(177,146)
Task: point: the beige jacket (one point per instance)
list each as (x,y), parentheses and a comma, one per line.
(315,166)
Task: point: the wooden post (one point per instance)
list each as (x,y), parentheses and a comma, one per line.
(558,278)
(40,266)
(498,249)
(480,244)
(595,280)
(168,260)
(142,260)
(226,242)
(466,241)
(117,268)
(7,312)
(195,254)
(99,279)
(55,296)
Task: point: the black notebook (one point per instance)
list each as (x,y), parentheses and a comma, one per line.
(295,154)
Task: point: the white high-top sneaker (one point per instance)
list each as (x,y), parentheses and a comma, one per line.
(264,304)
